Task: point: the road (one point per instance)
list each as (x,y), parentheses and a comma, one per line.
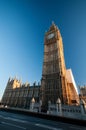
(11,121)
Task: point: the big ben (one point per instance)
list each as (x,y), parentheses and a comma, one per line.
(54,82)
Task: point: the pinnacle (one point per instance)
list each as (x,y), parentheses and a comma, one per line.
(53,26)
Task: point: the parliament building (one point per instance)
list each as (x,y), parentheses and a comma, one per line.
(57,81)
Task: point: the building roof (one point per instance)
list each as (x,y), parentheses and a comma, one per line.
(70,78)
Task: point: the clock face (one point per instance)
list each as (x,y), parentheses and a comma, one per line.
(50,36)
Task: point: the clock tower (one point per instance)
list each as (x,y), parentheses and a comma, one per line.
(53,82)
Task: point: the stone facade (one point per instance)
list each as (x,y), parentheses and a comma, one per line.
(77,112)
(19,95)
(83,92)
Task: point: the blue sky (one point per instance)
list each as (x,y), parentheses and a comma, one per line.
(22,27)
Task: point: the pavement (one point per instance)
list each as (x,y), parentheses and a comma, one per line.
(12,121)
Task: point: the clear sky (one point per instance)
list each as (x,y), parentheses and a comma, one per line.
(22,27)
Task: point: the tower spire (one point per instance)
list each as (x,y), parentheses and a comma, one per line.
(53,23)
